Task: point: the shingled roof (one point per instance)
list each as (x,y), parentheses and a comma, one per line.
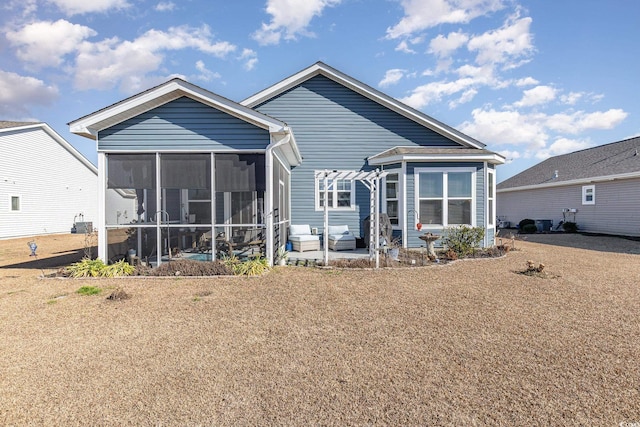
(7,125)
(616,159)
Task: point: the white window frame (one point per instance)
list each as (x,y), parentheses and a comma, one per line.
(586,193)
(333,188)
(445,197)
(398,197)
(11,197)
(491,198)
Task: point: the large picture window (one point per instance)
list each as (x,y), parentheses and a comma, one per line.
(445,197)
(340,194)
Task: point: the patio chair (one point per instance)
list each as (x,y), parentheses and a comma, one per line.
(340,238)
(302,239)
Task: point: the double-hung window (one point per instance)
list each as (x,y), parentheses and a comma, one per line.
(491,197)
(445,197)
(340,193)
(588,194)
(392,194)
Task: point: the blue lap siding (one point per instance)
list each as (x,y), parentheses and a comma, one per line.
(338,129)
(183,124)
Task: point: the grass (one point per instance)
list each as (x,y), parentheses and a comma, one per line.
(471,342)
(89,290)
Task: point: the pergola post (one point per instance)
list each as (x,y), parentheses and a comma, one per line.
(372,181)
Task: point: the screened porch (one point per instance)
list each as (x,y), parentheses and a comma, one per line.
(200,206)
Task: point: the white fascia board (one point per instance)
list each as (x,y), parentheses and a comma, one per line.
(489,158)
(581,181)
(165,93)
(367,91)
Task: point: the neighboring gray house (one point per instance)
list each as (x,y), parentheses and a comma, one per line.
(598,188)
(202,165)
(45,184)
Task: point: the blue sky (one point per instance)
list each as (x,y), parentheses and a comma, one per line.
(530,79)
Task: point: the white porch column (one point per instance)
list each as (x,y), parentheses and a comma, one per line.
(101,196)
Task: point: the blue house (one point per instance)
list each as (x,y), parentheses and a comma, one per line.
(209,172)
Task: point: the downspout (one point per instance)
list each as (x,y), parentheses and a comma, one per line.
(269,200)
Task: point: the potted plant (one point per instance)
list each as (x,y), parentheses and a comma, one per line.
(282,256)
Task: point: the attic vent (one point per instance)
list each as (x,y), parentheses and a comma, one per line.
(636,153)
(555,174)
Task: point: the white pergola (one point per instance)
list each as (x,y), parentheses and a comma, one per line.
(372,181)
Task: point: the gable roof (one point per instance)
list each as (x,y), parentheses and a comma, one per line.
(319,68)
(616,160)
(91,124)
(9,125)
(28,126)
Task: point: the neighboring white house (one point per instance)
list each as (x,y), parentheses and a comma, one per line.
(597,188)
(46,185)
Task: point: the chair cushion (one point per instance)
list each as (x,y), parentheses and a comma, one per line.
(338,229)
(342,237)
(304,238)
(303,229)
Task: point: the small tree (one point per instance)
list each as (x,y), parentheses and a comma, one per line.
(463,239)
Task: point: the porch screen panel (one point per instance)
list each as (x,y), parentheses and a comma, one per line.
(240,172)
(131,171)
(186,171)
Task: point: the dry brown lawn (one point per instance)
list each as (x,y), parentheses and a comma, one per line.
(467,343)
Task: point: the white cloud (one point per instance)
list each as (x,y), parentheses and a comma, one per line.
(205,74)
(250,57)
(537,96)
(563,146)
(18,92)
(506,128)
(105,64)
(290,19)
(75,7)
(510,155)
(392,77)
(467,96)
(527,81)
(572,98)
(403,46)
(165,6)
(512,41)
(580,121)
(45,43)
(445,46)
(435,91)
(420,15)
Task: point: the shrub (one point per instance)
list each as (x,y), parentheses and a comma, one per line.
(86,267)
(186,267)
(529,229)
(527,221)
(253,267)
(570,227)
(120,268)
(463,239)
